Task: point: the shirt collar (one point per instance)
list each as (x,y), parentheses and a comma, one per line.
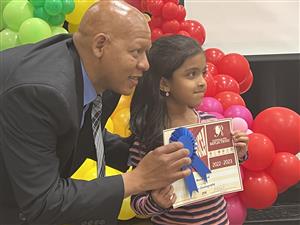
(89,92)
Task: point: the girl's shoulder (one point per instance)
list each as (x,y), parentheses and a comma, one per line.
(204,116)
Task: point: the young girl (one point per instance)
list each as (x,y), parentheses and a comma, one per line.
(164,98)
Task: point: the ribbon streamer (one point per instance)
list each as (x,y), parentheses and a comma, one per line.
(184,136)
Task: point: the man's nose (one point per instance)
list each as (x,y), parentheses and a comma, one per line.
(143,64)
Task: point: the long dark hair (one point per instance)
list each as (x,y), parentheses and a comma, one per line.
(148,110)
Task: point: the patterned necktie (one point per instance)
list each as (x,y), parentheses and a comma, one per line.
(96,125)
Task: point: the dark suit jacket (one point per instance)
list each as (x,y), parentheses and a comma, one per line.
(41,106)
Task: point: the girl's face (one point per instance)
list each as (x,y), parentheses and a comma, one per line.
(187,85)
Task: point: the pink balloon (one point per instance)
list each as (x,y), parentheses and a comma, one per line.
(239,111)
(230,195)
(236,211)
(217,115)
(210,104)
(239,124)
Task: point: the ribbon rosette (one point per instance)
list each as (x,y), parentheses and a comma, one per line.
(185,136)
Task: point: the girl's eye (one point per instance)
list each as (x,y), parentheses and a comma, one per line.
(204,73)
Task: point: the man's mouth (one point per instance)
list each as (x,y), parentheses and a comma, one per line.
(136,78)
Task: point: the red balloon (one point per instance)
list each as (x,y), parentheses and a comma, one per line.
(211,85)
(174,1)
(155,22)
(155,6)
(229,98)
(135,3)
(234,65)
(212,69)
(261,152)
(144,6)
(184,33)
(170,26)
(226,83)
(282,126)
(169,11)
(213,55)
(260,190)
(195,29)
(246,84)
(284,170)
(181,13)
(185,25)
(156,33)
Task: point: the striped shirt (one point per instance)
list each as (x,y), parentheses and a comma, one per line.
(207,212)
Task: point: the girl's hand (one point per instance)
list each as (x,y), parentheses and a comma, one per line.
(241,143)
(164,197)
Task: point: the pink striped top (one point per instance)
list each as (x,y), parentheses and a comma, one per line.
(208,212)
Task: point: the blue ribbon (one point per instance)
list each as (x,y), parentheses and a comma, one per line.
(186,137)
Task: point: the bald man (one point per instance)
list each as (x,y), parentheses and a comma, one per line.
(47,94)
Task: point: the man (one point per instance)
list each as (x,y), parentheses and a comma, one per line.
(47,97)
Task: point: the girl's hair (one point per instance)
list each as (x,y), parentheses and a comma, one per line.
(148,110)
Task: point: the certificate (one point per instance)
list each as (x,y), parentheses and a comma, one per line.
(214,146)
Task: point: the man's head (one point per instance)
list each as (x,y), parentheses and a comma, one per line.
(112,42)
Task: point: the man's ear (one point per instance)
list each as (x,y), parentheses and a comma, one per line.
(164,85)
(99,41)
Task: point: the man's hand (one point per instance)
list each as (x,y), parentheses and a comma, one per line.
(158,169)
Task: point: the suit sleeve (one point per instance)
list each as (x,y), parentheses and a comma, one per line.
(32,118)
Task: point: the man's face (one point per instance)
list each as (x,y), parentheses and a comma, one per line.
(125,59)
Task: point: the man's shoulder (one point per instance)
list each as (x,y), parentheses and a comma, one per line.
(47,63)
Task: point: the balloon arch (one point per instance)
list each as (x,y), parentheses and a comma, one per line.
(274,135)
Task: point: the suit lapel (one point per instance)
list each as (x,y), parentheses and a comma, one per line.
(79,79)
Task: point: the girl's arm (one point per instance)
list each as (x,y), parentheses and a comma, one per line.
(142,203)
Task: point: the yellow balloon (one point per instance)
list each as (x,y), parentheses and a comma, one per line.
(110,125)
(86,168)
(90,174)
(126,213)
(80,8)
(121,122)
(72,28)
(124,102)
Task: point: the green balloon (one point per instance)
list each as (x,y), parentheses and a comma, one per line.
(56,20)
(33,30)
(68,6)
(9,39)
(41,13)
(37,3)
(53,7)
(2,24)
(58,30)
(3,3)
(16,12)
